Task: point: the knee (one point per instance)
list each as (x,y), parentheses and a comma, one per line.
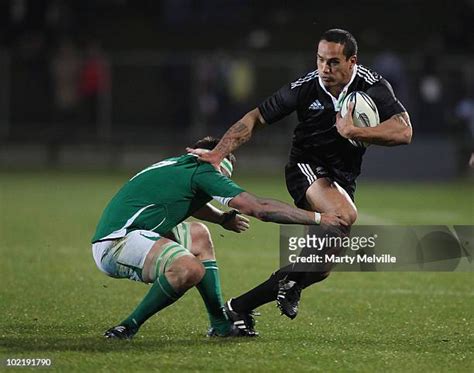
(185,273)
(349,215)
(193,274)
(202,245)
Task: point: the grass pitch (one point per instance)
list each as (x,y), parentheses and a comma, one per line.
(55,304)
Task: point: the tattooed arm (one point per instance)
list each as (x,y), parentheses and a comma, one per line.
(396,130)
(270,210)
(235,136)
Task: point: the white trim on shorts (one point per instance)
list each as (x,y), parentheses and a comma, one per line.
(141,240)
(98,250)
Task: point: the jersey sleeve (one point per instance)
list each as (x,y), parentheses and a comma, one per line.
(215,185)
(282,103)
(384,97)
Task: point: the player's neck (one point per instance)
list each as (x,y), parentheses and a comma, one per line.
(336,90)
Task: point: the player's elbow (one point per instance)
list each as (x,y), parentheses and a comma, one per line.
(262,209)
(401,137)
(250,205)
(257,211)
(253,119)
(406,136)
(247,210)
(262,214)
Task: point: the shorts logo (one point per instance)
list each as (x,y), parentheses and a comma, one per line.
(316,105)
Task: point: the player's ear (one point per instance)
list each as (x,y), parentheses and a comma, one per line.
(353,60)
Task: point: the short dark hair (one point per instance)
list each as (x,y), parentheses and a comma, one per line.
(210,143)
(343,37)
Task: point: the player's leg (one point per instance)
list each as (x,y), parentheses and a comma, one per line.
(171,269)
(196,237)
(327,196)
(312,190)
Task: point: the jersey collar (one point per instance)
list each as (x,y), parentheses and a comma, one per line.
(337,102)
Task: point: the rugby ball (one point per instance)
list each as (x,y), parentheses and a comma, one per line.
(365,113)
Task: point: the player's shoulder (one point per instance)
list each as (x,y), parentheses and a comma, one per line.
(181,162)
(308,77)
(201,166)
(368,76)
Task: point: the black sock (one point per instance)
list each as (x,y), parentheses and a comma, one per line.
(308,273)
(311,278)
(267,291)
(261,294)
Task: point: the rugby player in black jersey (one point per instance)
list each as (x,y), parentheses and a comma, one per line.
(323,165)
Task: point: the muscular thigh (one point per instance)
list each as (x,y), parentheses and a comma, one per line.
(327,196)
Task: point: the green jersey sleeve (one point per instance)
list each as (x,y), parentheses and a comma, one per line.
(215,185)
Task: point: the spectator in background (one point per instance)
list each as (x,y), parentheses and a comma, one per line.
(392,68)
(64,69)
(94,82)
(431,95)
(241,85)
(65,66)
(213,90)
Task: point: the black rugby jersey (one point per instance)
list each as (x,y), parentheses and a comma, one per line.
(315,137)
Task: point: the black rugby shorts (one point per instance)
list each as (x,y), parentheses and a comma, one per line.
(300,176)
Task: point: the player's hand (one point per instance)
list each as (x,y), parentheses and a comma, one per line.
(235,222)
(344,124)
(207,156)
(328,220)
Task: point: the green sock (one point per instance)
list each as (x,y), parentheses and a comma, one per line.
(160,295)
(211,293)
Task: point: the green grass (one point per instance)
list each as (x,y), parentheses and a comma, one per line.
(55,304)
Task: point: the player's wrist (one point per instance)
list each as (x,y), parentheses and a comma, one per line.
(353,133)
(227,217)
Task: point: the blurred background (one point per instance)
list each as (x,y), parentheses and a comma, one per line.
(116,84)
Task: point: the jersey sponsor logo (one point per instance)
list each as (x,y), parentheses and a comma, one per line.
(321,170)
(310,76)
(316,105)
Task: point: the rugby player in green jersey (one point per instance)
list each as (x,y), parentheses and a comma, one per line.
(142,234)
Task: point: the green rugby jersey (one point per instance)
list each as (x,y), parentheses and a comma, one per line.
(163,195)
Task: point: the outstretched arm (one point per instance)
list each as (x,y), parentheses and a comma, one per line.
(235,136)
(270,210)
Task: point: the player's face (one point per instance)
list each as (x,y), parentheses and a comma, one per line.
(333,67)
